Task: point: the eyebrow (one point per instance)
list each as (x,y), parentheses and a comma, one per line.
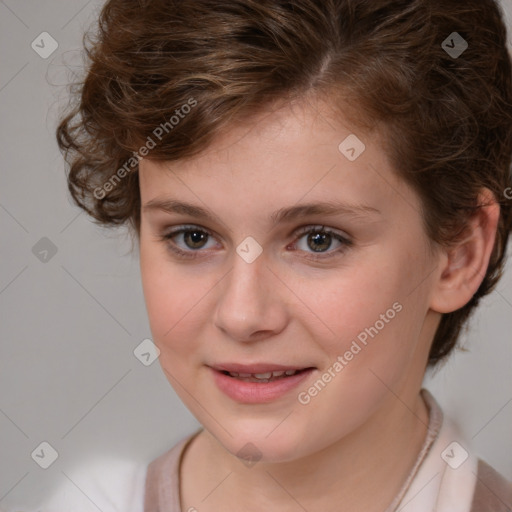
(285,214)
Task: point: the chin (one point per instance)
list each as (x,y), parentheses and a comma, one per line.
(261,442)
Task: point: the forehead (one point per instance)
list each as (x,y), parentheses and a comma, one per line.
(296,153)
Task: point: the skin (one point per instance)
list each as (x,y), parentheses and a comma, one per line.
(363,431)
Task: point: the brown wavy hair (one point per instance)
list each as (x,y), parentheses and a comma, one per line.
(169,75)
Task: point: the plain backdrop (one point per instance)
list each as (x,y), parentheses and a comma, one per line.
(72,310)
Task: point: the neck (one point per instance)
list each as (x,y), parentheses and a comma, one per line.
(362,471)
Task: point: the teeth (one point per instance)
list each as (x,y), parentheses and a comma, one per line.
(263,376)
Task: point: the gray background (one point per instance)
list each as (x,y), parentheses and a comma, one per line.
(69,325)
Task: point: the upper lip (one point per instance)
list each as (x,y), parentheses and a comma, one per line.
(256,367)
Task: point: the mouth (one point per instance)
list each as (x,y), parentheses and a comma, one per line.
(264,377)
(259,383)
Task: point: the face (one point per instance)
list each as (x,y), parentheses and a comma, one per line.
(251,273)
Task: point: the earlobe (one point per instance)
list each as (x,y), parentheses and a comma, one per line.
(464,265)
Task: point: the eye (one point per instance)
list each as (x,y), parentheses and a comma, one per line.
(192,239)
(187,241)
(319,239)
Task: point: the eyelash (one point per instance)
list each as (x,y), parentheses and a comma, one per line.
(346,243)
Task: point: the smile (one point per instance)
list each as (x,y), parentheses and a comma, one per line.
(262,377)
(259,386)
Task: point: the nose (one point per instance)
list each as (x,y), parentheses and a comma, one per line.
(250,303)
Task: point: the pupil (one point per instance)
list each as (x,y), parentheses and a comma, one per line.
(320,237)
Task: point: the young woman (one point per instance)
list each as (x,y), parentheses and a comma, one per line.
(320,192)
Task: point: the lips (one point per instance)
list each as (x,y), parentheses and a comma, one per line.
(257,388)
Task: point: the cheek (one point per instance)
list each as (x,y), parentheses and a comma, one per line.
(371,315)
(173,297)
(367,352)
(351,302)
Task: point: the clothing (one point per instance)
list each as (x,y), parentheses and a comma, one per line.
(445,478)
(432,485)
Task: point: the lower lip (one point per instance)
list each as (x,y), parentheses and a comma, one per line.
(257,392)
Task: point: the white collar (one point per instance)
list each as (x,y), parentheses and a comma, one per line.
(444,476)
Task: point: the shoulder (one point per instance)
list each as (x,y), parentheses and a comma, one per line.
(162,479)
(493,492)
(465,473)
(451,477)
(114,484)
(109,484)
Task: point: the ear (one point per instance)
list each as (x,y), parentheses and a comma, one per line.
(463,266)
